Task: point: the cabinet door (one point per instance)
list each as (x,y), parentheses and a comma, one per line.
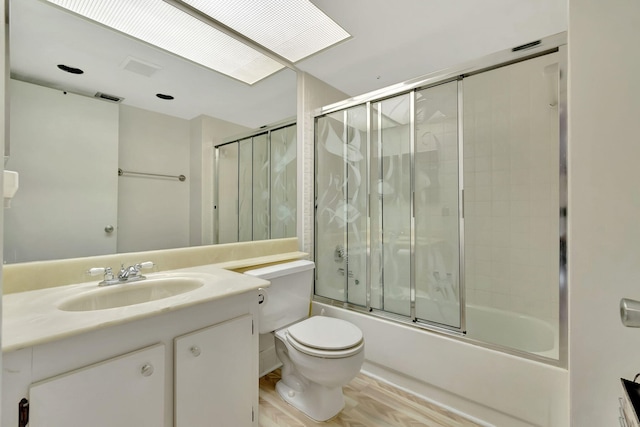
(124,391)
(215,376)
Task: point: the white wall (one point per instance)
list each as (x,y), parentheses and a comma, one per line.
(153,213)
(604,203)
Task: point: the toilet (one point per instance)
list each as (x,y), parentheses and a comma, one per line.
(319,354)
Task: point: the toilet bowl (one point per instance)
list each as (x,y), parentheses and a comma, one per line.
(315,365)
(319,354)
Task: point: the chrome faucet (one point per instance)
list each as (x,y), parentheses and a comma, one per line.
(132,273)
(125,275)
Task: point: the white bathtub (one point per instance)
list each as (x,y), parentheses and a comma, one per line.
(498,327)
(492,386)
(512,330)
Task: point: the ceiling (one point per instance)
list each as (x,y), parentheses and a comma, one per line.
(392,41)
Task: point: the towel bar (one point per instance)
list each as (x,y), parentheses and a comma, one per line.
(123,172)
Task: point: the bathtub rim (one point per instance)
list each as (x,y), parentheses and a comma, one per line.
(451,333)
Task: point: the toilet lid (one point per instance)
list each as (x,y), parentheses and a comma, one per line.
(326,333)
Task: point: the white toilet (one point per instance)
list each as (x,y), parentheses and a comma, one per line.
(319,354)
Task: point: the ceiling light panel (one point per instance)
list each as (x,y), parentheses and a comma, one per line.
(162,25)
(294,29)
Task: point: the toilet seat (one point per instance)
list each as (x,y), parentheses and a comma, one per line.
(325,337)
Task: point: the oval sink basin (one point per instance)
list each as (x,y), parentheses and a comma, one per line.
(131,293)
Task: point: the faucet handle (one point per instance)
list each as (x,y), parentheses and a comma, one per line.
(108,274)
(99,270)
(95,271)
(146,264)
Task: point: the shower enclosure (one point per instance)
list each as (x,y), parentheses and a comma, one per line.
(256,186)
(439,206)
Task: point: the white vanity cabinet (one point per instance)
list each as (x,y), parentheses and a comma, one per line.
(211,375)
(204,359)
(123,391)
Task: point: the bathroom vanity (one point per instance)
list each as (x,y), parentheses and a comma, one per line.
(185,360)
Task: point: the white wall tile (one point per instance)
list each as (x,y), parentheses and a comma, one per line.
(514,153)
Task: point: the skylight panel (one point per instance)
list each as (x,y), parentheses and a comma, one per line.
(160,24)
(293,29)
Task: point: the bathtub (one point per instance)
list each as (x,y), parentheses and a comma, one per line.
(490,386)
(496,327)
(512,330)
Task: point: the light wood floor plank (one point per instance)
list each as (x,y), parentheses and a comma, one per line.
(368,403)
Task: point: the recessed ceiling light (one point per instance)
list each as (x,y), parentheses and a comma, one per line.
(163,96)
(171,29)
(71,70)
(294,29)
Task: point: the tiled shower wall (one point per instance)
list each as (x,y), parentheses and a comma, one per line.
(511,174)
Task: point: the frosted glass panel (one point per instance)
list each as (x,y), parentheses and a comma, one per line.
(511,140)
(261,181)
(228,193)
(331,215)
(391,204)
(283,182)
(245,191)
(436,205)
(356,204)
(342,203)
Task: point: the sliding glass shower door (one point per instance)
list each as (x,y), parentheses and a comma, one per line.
(387,206)
(260,187)
(245,190)
(256,186)
(227,212)
(342,193)
(283,182)
(442,203)
(437,182)
(391,204)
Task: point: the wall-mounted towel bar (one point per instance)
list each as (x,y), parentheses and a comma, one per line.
(123,172)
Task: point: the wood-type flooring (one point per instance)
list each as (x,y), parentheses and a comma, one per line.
(369,403)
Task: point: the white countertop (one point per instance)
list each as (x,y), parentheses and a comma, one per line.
(32,317)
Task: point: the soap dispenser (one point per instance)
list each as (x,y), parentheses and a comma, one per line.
(10,184)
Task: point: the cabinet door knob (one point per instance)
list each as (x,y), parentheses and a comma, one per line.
(147,370)
(195,350)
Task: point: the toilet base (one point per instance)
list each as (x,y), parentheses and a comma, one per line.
(316,401)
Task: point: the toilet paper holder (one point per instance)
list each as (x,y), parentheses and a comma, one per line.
(630,313)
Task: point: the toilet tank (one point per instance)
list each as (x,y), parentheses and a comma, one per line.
(287,299)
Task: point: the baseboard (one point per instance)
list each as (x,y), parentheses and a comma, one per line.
(482,415)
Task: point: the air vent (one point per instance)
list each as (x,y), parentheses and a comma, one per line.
(107,97)
(526,46)
(139,66)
